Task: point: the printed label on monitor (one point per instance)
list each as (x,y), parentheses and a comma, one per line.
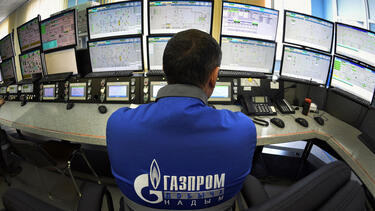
(49,92)
(222,92)
(77,91)
(117,91)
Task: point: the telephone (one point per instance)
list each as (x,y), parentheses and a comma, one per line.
(257,105)
(284,107)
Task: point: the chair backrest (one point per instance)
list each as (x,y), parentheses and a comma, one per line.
(31,152)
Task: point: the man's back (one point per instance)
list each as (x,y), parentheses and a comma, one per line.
(179,153)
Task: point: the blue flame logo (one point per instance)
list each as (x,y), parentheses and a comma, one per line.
(155,174)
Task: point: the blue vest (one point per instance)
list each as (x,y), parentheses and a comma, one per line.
(179,153)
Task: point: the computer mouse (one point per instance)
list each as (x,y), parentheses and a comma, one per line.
(302,122)
(69,106)
(102,109)
(23,102)
(278,122)
(319,120)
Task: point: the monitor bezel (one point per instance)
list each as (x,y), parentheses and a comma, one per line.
(40,35)
(349,95)
(255,39)
(348,57)
(12,44)
(12,79)
(221,20)
(41,61)
(114,83)
(88,24)
(75,31)
(226,99)
(148,46)
(149,17)
(73,98)
(110,73)
(303,80)
(305,46)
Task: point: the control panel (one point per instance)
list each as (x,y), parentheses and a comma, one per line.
(150,88)
(29,92)
(53,91)
(3,92)
(13,91)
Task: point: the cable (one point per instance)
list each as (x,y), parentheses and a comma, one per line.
(261,122)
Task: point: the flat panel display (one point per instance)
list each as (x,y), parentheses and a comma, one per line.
(29,35)
(6,47)
(222,92)
(117,91)
(7,69)
(156,46)
(169,17)
(77,91)
(31,63)
(49,92)
(118,19)
(155,86)
(61,62)
(249,21)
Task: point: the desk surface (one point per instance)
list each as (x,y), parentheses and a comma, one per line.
(85,124)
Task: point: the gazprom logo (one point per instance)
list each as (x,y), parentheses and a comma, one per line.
(155,174)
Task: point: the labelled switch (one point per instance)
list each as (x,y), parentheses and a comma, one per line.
(67,84)
(145,97)
(132,81)
(89,82)
(132,97)
(235,82)
(235,90)
(145,89)
(102,83)
(102,97)
(132,89)
(235,97)
(89,90)
(102,90)
(145,82)
(88,97)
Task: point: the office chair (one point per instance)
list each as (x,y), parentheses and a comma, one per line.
(328,188)
(92,200)
(50,155)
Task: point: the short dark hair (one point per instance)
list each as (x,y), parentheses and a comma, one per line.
(190,57)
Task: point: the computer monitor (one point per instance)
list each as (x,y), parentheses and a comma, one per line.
(29,35)
(353,78)
(59,31)
(222,92)
(249,21)
(77,91)
(123,54)
(8,69)
(355,43)
(49,92)
(31,63)
(305,65)
(117,91)
(155,86)
(246,54)
(308,31)
(155,47)
(117,19)
(168,17)
(6,47)
(63,61)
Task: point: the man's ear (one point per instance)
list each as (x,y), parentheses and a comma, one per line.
(213,77)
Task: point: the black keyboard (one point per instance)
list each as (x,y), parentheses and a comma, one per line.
(56,77)
(351,96)
(240,74)
(287,78)
(110,74)
(155,73)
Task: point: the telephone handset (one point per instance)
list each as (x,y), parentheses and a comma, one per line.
(257,105)
(284,106)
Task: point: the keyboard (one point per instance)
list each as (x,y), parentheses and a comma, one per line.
(155,73)
(241,74)
(351,96)
(110,74)
(56,77)
(287,78)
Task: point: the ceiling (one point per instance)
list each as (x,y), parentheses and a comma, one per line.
(8,6)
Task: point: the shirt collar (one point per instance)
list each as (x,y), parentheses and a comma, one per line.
(182,90)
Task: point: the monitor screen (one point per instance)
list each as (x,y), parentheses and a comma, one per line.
(156,46)
(27,88)
(353,78)
(58,31)
(13,89)
(29,35)
(116,19)
(3,90)
(355,43)
(77,91)
(222,92)
(308,31)
(6,47)
(49,92)
(305,65)
(249,21)
(61,62)
(117,91)
(244,54)
(155,86)
(116,55)
(168,17)
(7,69)
(31,63)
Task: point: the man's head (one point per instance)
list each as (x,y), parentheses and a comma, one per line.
(192,57)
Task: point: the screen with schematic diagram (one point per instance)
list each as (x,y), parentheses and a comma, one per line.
(77,91)
(305,65)
(308,31)
(49,92)
(353,78)
(156,46)
(31,63)
(116,54)
(59,31)
(168,17)
(249,21)
(355,43)
(222,92)
(8,69)
(244,54)
(6,47)
(117,91)
(29,35)
(123,18)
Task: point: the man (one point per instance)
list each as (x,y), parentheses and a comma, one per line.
(179,153)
